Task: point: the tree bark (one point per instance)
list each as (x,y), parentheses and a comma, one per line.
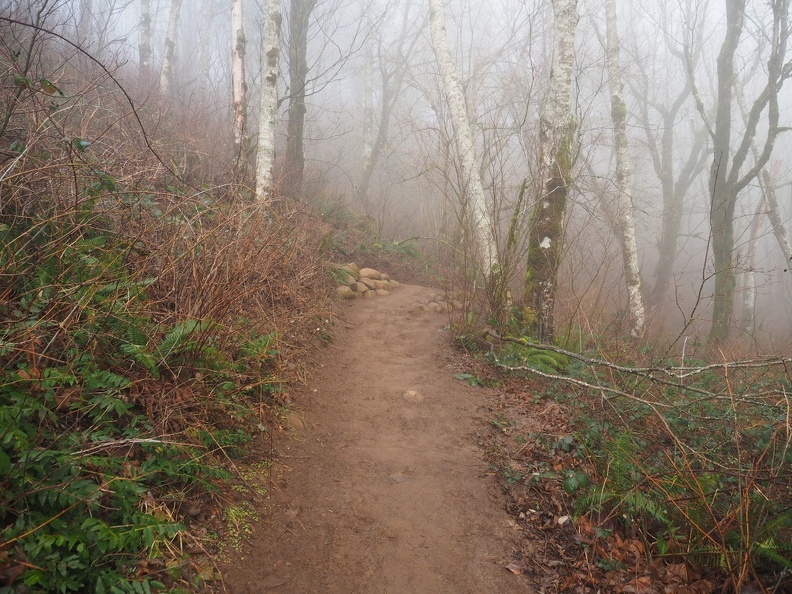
(556,133)
(270,71)
(624,212)
(723,194)
(299,23)
(169,55)
(474,202)
(238,80)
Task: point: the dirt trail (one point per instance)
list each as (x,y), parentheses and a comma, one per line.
(384,492)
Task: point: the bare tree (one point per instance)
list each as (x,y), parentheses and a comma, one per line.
(624,213)
(392,69)
(168,56)
(557,132)
(477,213)
(726,181)
(270,71)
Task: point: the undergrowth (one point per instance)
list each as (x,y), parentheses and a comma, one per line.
(144,330)
(693,462)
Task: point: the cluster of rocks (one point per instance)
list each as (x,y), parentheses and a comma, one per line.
(362,282)
(440,303)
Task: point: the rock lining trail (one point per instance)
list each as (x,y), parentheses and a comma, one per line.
(386,489)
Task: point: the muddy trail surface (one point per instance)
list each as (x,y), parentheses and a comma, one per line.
(385,488)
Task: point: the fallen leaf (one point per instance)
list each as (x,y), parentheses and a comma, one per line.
(703,586)
(13,573)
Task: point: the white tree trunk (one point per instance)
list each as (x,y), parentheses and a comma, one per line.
(168,57)
(749,288)
(238,81)
(482,226)
(270,57)
(625,222)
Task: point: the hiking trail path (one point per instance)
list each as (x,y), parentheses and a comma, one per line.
(385,489)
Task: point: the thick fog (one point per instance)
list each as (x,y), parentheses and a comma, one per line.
(378,135)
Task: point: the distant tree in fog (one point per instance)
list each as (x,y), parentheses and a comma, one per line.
(299,24)
(169,55)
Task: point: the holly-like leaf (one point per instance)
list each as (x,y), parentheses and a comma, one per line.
(81,144)
(22,82)
(49,88)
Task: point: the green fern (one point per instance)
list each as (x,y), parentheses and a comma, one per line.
(181,339)
(526,355)
(134,347)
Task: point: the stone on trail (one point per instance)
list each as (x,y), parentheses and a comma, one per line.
(370,273)
(412,396)
(368,294)
(371,284)
(435,307)
(360,287)
(295,421)
(382,292)
(346,293)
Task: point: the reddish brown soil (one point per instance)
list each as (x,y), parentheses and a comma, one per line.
(381,492)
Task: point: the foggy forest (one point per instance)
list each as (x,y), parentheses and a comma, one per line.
(598,187)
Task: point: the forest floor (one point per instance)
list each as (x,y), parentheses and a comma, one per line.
(383,485)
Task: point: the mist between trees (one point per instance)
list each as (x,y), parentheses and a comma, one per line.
(582,167)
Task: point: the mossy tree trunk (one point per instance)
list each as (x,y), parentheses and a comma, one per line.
(238,78)
(557,134)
